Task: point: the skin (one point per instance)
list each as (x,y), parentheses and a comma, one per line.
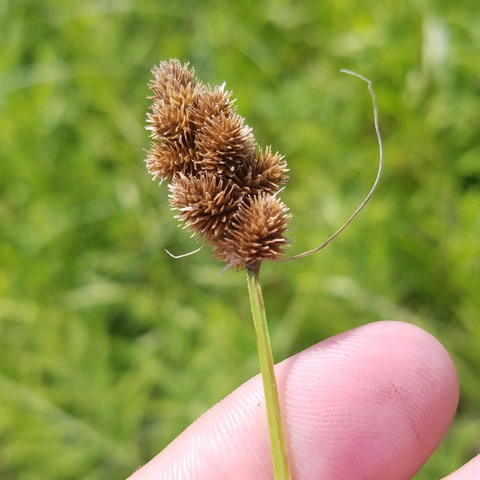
(371,403)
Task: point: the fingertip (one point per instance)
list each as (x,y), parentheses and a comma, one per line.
(384,391)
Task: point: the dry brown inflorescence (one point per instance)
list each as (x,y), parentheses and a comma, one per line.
(223,185)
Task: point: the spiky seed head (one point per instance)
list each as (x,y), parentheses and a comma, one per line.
(224,187)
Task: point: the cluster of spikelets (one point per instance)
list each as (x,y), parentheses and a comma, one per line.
(224,187)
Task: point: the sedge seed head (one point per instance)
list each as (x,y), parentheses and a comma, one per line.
(224,187)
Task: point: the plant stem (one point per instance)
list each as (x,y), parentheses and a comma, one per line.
(277,437)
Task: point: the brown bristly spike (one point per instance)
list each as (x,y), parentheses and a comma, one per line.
(212,103)
(223,144)
(223,186)
(266,172)
(206,203)
(170,78)
(256,233)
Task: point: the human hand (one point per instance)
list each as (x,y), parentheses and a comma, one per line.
(371,403)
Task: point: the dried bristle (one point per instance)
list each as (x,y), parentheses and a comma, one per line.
(224,187)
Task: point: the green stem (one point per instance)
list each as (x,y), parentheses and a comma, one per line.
(277,437)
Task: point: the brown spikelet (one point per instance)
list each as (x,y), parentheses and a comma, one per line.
(265,172)
(224,188)
(212,103)
(223,144)
(171,79)
(172,121)
(206,203)
(166,159)
(256,233)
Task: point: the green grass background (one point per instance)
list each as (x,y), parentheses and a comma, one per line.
(109,348)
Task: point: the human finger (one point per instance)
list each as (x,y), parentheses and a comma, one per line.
(373,403)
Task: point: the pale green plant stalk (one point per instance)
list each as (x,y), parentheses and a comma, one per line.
(277,437)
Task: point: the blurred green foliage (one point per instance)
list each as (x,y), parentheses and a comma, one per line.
(109,347)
